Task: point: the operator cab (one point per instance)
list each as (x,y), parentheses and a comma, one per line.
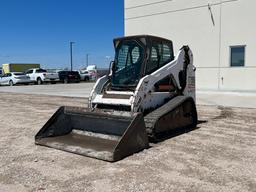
(137,56)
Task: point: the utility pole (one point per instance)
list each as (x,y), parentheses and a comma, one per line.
(71,54)
(87,59)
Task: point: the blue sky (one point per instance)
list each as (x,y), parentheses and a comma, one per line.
(39,31)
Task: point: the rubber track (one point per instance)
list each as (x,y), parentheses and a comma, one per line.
(151,118)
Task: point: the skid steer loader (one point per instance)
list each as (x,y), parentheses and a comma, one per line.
(147,93)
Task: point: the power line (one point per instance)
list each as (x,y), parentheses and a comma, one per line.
(179,10)
(144,5)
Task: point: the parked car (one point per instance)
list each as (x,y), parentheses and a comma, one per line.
(69,76)
(40,76)
(14,78)
(84,75)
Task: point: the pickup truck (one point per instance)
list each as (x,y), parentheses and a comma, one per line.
(69,76)
(40,76)
(84,75)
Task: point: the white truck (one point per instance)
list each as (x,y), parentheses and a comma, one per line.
(39,76)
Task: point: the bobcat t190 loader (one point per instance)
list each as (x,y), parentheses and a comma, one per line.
(147,93)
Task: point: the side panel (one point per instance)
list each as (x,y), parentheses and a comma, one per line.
(185,22)
(6,68)
(22,67)
(238,29)
(209,28)
(144,97)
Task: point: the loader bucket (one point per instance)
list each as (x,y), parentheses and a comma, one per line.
(94,134)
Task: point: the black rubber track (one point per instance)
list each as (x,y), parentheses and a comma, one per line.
(152,118)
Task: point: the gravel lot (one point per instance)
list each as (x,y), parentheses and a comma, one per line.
(218,156)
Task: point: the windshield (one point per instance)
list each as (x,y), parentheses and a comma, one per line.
(18,73)
(128,63)
(41,71)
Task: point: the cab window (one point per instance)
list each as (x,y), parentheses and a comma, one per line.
(7,75)
(161,53)
(154,60)
(29,71)
(166,54)
(41,71)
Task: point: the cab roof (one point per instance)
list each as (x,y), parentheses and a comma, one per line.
(148,37)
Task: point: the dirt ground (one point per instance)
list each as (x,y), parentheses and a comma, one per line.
(218,156)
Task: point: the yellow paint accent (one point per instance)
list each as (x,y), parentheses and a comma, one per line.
(18,67)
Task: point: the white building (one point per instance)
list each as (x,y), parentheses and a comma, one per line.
(221,34)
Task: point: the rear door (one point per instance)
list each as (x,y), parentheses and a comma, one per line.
(74,75)
(5,79)
(29,73)
(63,75)
(21,76)
(40,73)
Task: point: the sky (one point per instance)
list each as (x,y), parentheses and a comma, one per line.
(39,31)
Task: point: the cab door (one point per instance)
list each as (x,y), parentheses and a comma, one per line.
(5,79)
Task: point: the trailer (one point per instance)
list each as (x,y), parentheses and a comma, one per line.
(18,67)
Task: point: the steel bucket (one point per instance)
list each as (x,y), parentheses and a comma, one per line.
(94,134)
